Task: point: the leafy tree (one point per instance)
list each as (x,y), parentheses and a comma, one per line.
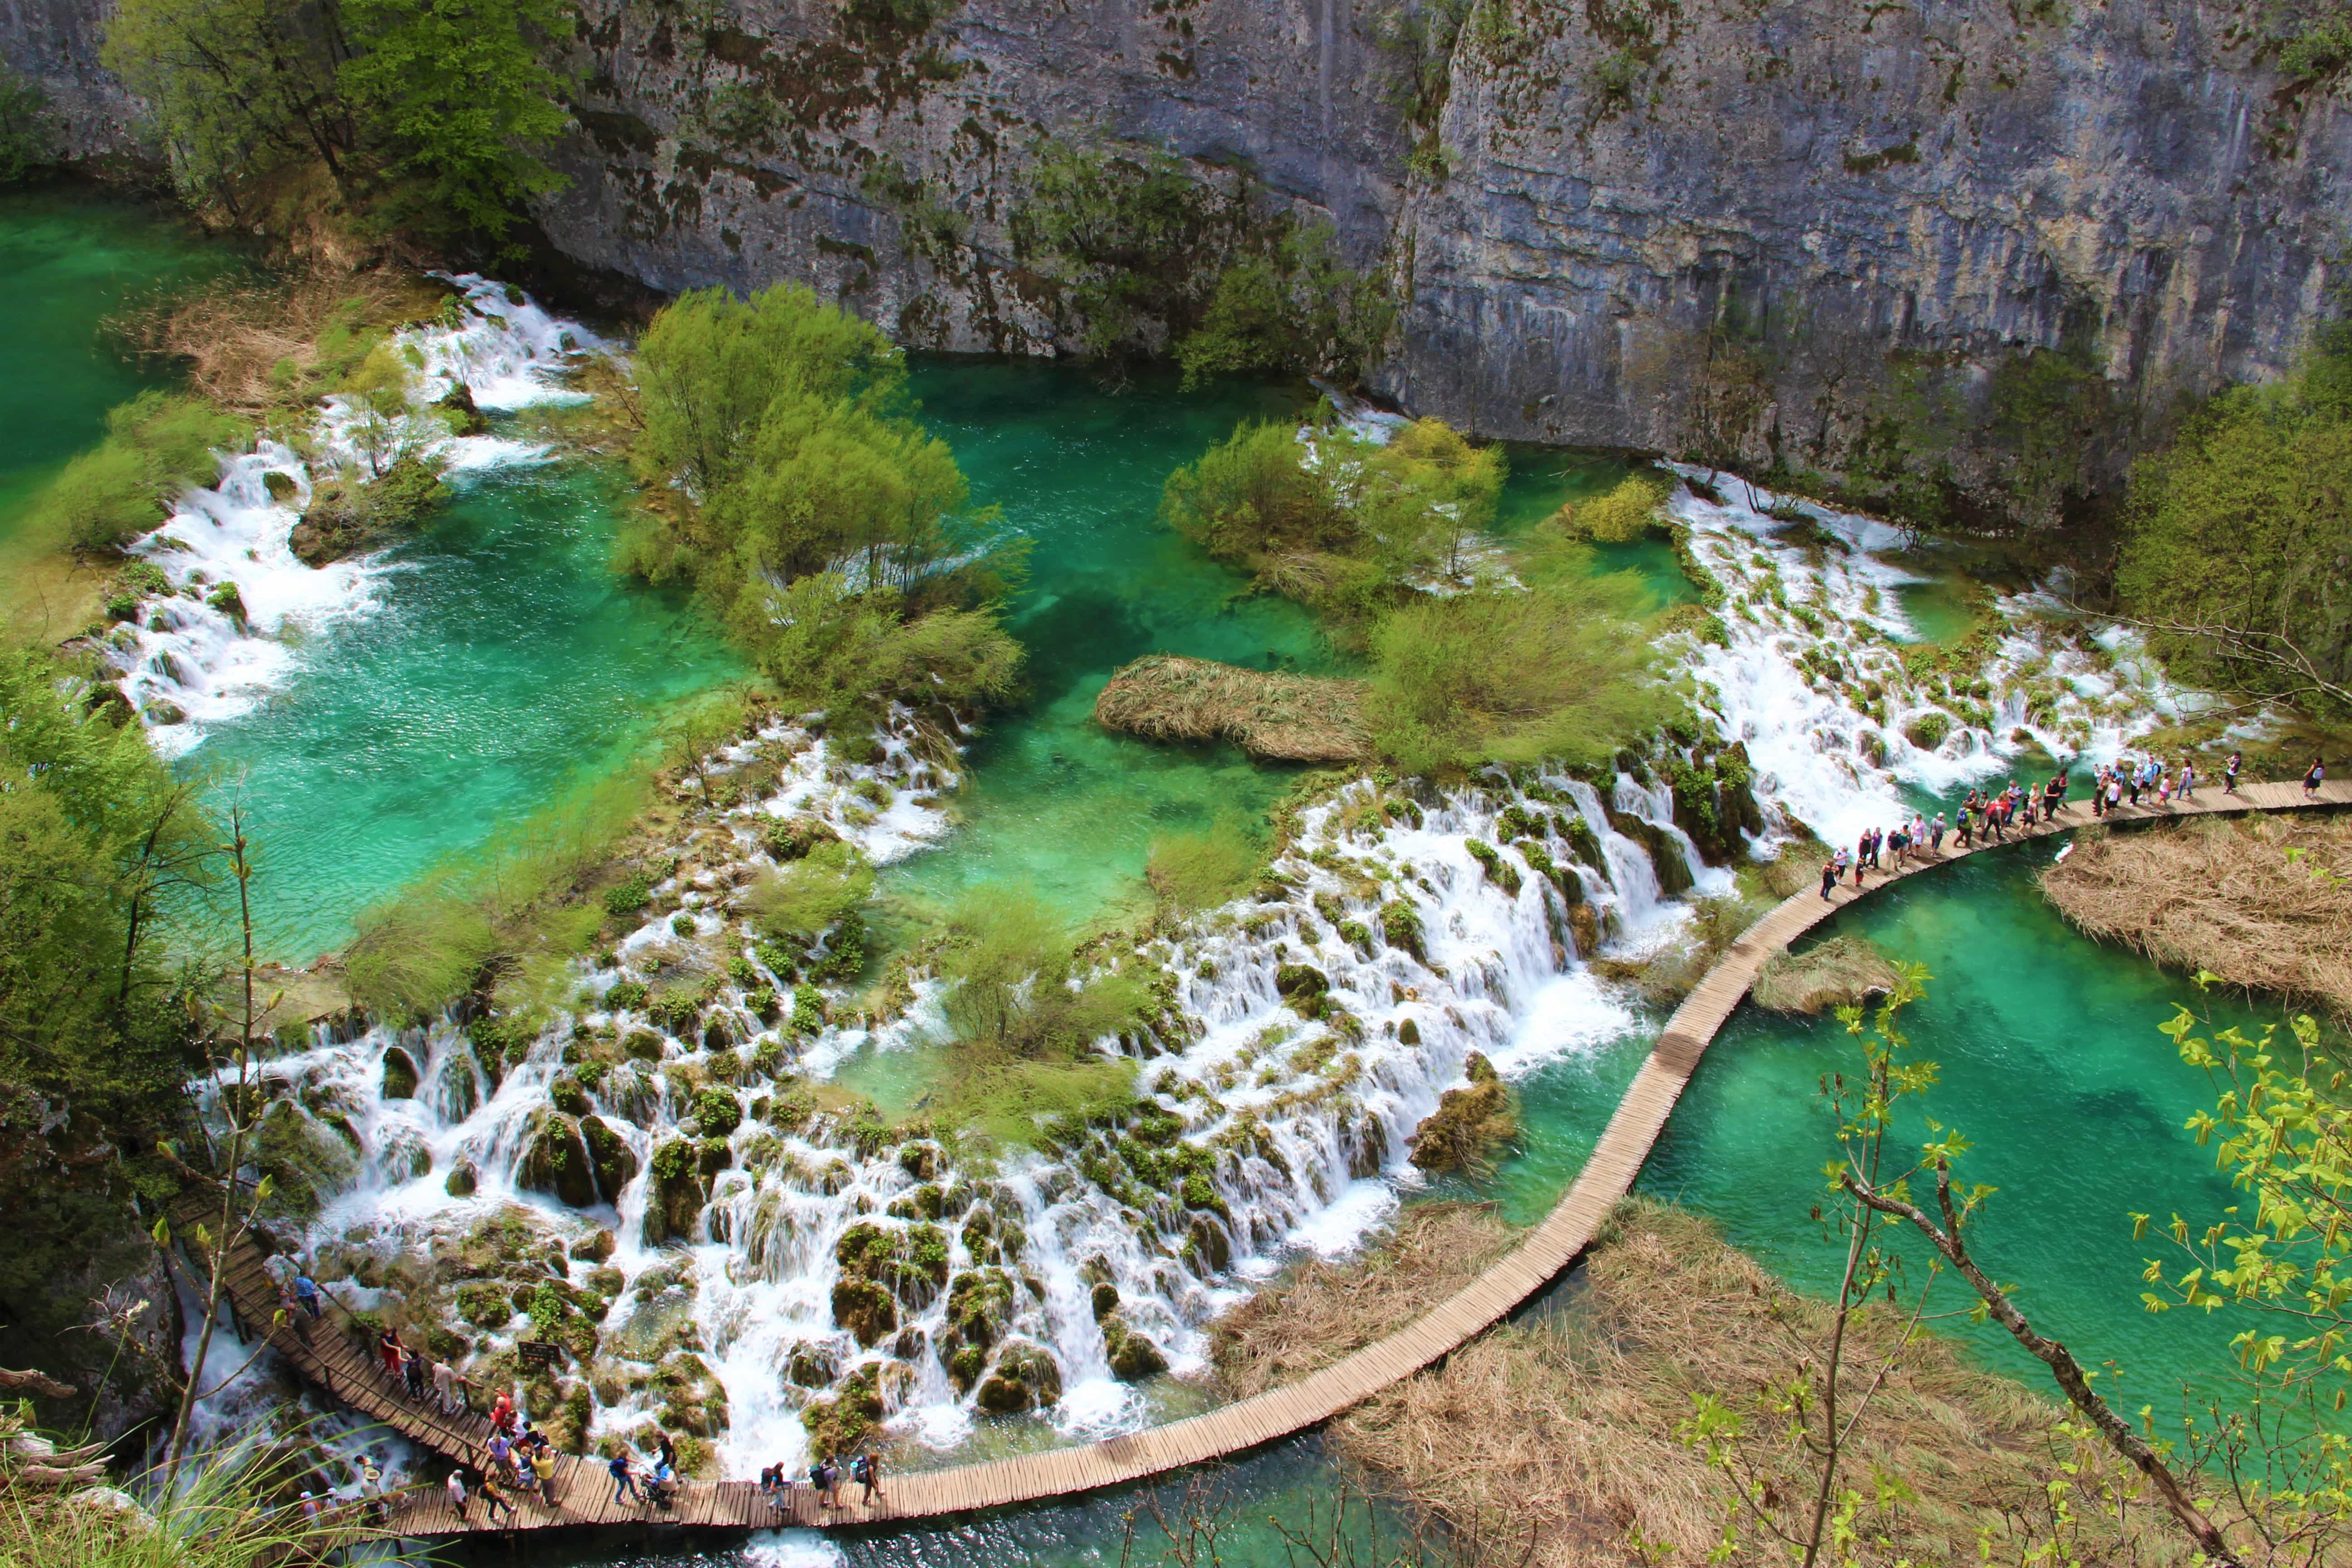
(453,95)
(1294,306)
(832,533)
(2236,564)
(156,445)
(1626,513)
(1425,495)
(1251,495)
(27,131)
(429,112)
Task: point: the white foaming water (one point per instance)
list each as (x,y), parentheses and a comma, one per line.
(1283,1106)
(2070,686)
(242,604)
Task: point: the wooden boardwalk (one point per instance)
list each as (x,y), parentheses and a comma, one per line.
(583,1492)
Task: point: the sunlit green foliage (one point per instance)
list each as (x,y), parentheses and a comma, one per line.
(1626,513)
(156,445)
(803,899)
(830,532)
(1561,670)
(1338,523)
(430,114)
(2239,539)
(1015,985)
(1200,871)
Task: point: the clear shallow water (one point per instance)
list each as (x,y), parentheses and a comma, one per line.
(504,663)
(2051,1063)
(71,258)
(1056,807)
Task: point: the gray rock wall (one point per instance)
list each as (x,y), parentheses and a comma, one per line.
(1809,231)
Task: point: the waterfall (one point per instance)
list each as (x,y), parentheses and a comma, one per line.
(1809,672)
(240,603)
(1310,1031)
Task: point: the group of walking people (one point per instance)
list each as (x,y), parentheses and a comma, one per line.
(660,1477)
(824,1479)
(518,1461)
(1988,816)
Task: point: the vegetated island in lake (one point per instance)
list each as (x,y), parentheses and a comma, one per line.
(1273,716)
(2265,904)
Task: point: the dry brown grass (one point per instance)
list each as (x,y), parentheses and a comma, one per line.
(2228,897)
(1844,969)
(1281,717)
(236,334)
(1563,1428)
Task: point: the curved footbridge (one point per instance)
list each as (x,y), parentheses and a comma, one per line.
(584,1492)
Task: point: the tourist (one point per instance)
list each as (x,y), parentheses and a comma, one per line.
(500,1449)
(1899,843)
(445,1387)
(1936,831)
(2054,795)
(371,1487)
(867,1470)
(389,1352)
(662,1488)
(2314,778)
(543,1470)
(412,1370)
(625,1479)
(457,1485)
(494,1498)
(2114,791)
(668,1449)
(2188,779)
(306,1292)
(2230,772)
(1829,875)
(2130,771)
(776,1486)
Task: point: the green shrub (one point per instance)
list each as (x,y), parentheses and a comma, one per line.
(1202,870)
(156,445)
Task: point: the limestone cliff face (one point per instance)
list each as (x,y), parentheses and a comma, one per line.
(1817,231)
(1945,247)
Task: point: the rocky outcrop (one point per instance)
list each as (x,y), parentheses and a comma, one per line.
(1744,232)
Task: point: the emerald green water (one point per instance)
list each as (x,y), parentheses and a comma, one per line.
(2051,1063)
(506,664)
(69,259)
(1056,807)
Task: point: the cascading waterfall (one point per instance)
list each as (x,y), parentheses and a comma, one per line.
(240,601)
(830,1260)
(1811,678)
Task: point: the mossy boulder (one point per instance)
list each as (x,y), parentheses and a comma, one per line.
(610,1158)
(307,1161)
(1498,866)
(566,1095)
(793,839)
(1469,1124)
(555,1161)
(399,1074)
(456,407)
(462,1180)
(1026,1377)
(1132,1355)
(679,1191)
(909,1262)
(866,1310)
(484,1305)
(1305,987)
(1929,730)
(811,1364)
(980,1308)
(1584,925)
(1665,853)
(1400,927)
(839,1425)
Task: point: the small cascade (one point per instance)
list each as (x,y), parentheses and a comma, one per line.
(240,603)
(1809,672)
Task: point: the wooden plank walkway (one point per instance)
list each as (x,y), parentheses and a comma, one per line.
(584,1493)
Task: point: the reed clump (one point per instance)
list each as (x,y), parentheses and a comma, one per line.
(2264,903)
(1555,1437)
(1271,716)
(1842,971)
